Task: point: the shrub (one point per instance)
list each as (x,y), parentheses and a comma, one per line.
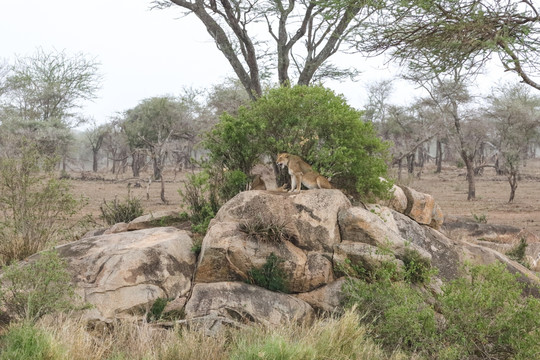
(309,121)
(488,316)
(32,290)
(116,211)
(26,342)
(202,200)
(271,275)
(417,268)
(397,314)
(35,205)
(518,252)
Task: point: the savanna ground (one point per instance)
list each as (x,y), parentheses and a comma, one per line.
(449,189)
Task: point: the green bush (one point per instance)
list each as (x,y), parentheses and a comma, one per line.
(398,315)
(271,275)
(234,182)
(518,252)
(418,270)
(35,204)
(26,342)
(202,200)
(43,286)
(309,121)
(488,317)
(114,212)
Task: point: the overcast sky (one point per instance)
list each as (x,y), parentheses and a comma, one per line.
(143,52)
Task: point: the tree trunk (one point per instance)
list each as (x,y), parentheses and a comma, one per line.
(162,194)
(438,157)
(157,169)
(410,163)
(513,180)
(471,195)
(95,160)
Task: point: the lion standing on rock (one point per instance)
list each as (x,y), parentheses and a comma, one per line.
(302,173)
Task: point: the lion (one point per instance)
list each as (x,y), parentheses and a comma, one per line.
(258,183)
(302,173)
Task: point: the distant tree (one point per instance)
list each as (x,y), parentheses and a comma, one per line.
(95,135)
(460,34)
(465,127)
(409,129)
(154,123)
(42,92)
(516,116)
(115,143)
(301,37)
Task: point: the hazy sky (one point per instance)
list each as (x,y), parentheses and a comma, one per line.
(143,52)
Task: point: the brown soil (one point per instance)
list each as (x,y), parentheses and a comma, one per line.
(449,189)
(492,193)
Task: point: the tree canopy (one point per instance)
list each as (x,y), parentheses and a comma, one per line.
(294,39)
(448,34)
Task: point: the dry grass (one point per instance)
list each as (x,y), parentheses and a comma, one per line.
(331,338)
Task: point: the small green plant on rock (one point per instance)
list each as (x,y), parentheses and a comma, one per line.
(418,269)
(518,252)
(271,275)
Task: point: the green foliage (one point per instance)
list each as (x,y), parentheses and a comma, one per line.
(271,275)
(156,310)
(311,122)
(116,211)
(481,219)
(40,287)
(418,269)
(518,252)
(35,204)
(399,315)
(234,182)
(202,200)
(488,316)
(26,342)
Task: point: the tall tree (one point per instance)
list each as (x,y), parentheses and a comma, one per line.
(515,113)
(42,92)
(301,36)
(95,135)
(458,34)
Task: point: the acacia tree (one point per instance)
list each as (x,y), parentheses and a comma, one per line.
(515,113)
(95,135)
(42,92)
(301,36)
(458,34)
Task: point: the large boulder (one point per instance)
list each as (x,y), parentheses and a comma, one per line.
(308,221)
(420,207)
(359,225)
(246,303)
(121,274)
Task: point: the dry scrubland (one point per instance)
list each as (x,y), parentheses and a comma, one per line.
(449,189)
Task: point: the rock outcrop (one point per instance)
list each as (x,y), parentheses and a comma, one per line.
(124,273)
(312,233)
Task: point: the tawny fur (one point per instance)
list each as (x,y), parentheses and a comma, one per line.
(258,183)
(302,173)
